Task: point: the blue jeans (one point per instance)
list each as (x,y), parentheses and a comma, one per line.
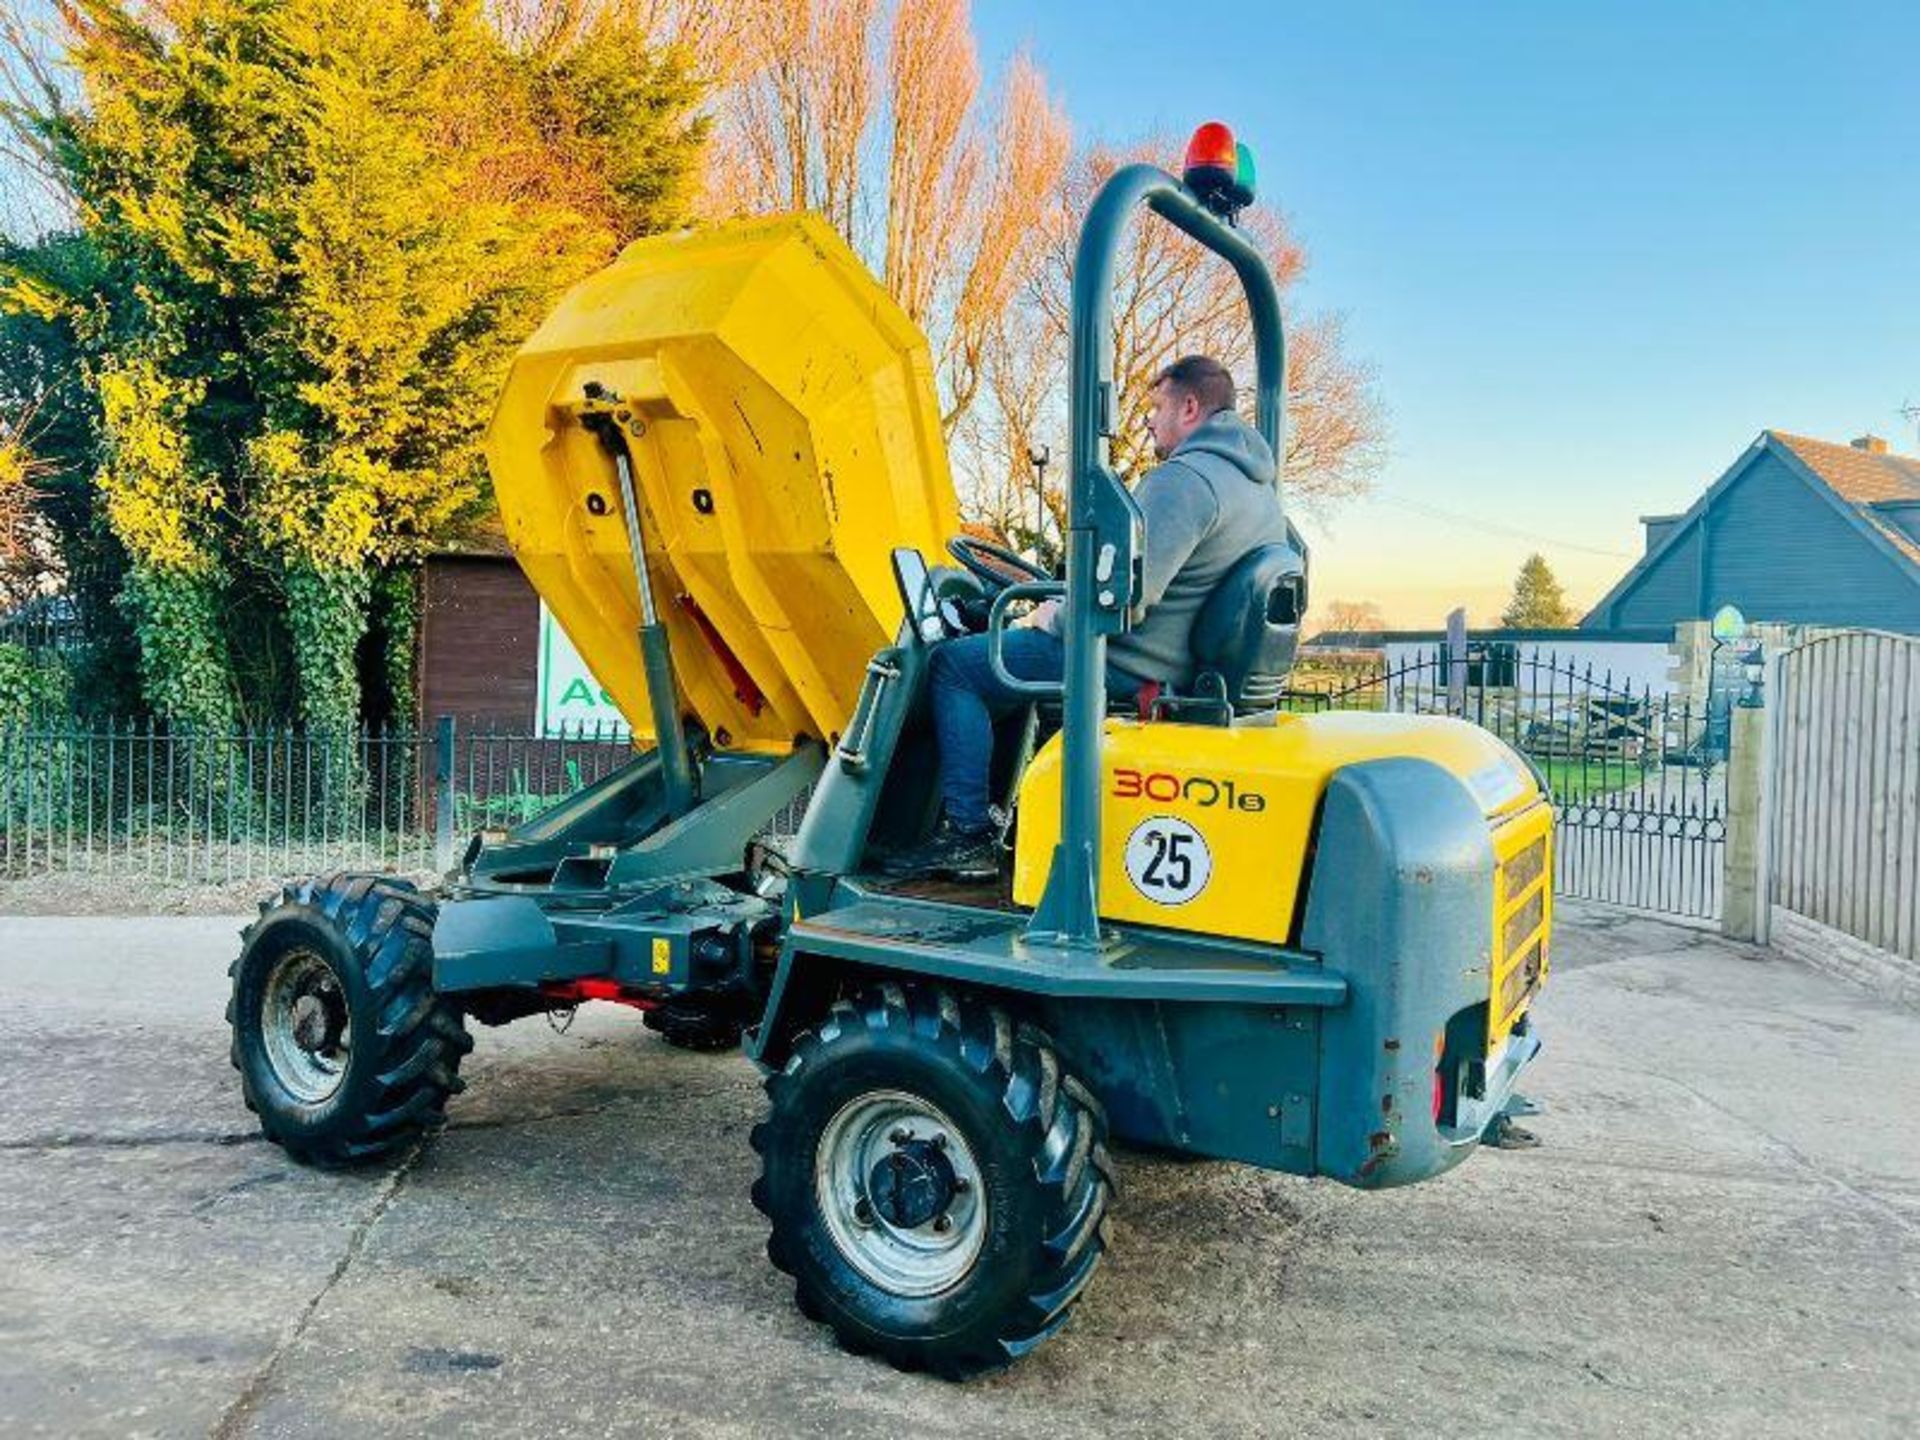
(967,698)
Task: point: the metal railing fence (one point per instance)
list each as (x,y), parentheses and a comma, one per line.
(135,799)
(1638,780)
(1637,776)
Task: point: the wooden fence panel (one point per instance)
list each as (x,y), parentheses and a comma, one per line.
(1845,844)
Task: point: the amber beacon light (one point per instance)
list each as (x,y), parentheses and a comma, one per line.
(1218,169)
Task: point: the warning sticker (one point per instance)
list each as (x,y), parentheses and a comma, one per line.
(662,955)
(1168,860)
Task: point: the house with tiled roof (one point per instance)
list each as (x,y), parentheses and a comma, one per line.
(1796,531)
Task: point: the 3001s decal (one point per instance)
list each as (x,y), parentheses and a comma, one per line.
(1198,790)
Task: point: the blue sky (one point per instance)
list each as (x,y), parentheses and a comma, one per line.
(1592,250)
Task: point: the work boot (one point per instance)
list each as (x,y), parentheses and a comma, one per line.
(950,853)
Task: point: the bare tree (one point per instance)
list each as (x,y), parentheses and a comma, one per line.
(1004,242)
(33,197)
(1349,617)
(876,117)
(967,201)
(1171,297)
(793,118)
(933,75)
(1023,374)
(1335,431)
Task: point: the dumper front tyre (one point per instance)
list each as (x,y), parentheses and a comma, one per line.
(937,1185)
(344,1050)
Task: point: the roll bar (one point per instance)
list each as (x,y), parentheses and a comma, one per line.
(1104,538)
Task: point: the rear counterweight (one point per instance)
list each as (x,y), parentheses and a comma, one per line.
(1400,904)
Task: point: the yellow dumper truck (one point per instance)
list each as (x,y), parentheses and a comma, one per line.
(720,463)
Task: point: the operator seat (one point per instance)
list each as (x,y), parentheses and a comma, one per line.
(1243,641)
(1248,629)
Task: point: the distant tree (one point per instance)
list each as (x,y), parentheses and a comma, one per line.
(1346,617)
(1538,602)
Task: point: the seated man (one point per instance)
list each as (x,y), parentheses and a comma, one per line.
(1212,499)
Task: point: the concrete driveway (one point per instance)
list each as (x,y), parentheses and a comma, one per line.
(1718,1237)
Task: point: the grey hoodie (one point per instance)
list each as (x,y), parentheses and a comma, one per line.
(1206,505)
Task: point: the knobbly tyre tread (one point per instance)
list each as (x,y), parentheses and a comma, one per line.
(420,1036)
(1059,1123)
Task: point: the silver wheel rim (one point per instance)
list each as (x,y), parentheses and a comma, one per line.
(919,1260)
(306,1026)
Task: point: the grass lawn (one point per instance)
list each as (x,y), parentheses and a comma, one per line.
(1589,779)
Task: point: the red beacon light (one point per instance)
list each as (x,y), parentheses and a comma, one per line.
(1219,170)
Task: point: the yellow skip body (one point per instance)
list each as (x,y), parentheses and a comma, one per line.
(785,437)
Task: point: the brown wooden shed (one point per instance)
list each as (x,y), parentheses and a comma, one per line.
(479,636)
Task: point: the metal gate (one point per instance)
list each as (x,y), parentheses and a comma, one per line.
(1638,778)
(1843,846)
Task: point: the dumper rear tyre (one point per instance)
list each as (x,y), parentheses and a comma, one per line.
(936,1183)
(344,1050)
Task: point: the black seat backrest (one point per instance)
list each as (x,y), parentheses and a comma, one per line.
(1248,630)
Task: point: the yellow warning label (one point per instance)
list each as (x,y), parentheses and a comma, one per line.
(662,955)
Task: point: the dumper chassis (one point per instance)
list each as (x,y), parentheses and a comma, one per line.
(1337,983)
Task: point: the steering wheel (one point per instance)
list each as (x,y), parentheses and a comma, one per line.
(993,565)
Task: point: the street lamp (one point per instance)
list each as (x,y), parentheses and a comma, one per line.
(1038,456)
(1753,669)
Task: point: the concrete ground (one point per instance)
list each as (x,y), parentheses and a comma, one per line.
(1718,1237)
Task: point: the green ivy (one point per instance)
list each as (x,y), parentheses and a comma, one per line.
(326,616)
(180,619)
(396,606)
(29,687)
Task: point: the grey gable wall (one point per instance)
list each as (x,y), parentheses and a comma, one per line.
(1778,551)
(1667,591)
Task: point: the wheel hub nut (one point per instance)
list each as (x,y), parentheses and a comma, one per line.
(912,1185)
(310,1027)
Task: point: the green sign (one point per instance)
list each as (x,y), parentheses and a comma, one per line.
(1729,624)
(569,700)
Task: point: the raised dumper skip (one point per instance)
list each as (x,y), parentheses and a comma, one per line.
(1308,943)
